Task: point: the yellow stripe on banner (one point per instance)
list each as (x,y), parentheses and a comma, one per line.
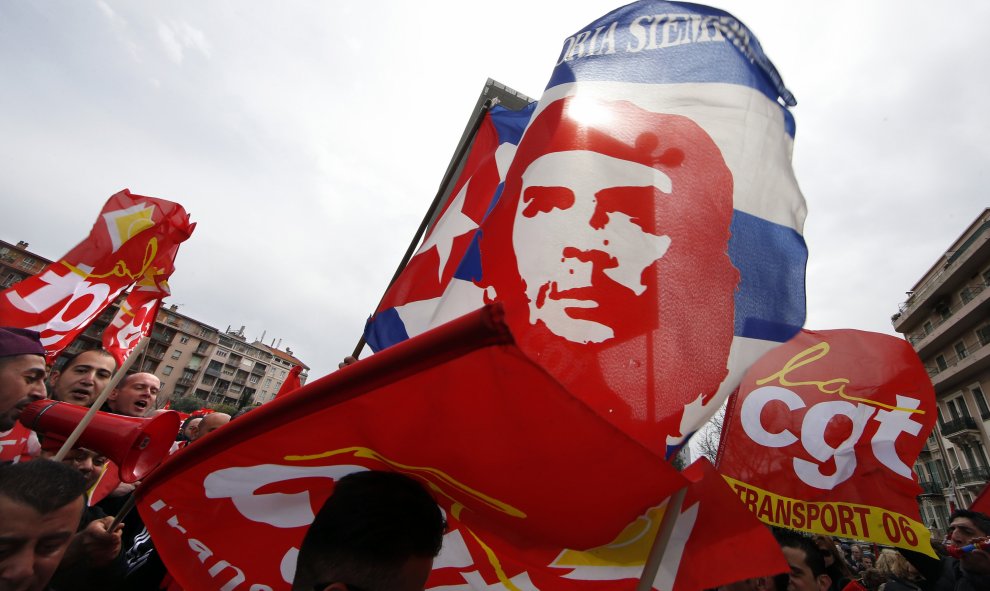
(846,520)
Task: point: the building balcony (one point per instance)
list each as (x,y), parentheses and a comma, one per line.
(931,487)
(957,321)
(973,476)
(213,372)
(187,382)
(957,370)
(966,261)
(961,429)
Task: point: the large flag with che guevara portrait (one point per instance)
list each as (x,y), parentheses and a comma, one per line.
(646,241)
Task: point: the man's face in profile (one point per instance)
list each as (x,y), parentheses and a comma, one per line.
(582,241)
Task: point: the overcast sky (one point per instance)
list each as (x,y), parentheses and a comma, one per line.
(307,138)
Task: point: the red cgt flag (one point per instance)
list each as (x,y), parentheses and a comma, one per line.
(136,317)
(124,246)
(524,471)
(823,432)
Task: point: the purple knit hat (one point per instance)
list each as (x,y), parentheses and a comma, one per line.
(19,341)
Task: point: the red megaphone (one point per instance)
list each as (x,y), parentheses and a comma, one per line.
(136,445)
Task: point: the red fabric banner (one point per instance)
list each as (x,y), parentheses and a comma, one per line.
(123,247)
(291,383)
(823,434)
(982,502)
(136,317)
(713,522)
(524,470)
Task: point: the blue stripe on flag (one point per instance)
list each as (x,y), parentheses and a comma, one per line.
(511,124)
(771,258)
(385,329)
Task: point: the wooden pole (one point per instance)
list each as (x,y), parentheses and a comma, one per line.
(434,207)
(128,505)
(670,515)
(121,372)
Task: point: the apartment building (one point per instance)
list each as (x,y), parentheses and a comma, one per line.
(947,319)
(191,358)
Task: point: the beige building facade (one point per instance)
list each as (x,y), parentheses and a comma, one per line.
(947,319)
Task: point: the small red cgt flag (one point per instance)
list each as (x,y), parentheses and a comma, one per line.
(136,317)
(125,246)
(823,433)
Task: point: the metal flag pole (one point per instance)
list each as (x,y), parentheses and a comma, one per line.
(434,208)
(670,515)
(121,372)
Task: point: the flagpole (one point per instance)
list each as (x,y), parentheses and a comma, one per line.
(127,507)
(448,177)
(670,515)
(74,436)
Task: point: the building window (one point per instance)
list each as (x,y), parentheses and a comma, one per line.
(958,408)
(981,402)
(254,379)
(928,327)
(953,410)
(183,339)
(168,370)
(176,354)
(221,353)
(969,293)
(961,351)
(983,335)
(986,277)
(941,363)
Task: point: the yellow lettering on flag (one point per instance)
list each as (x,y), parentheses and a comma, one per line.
(833,518)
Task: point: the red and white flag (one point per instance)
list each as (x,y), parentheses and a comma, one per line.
(822,435)
(136,317)
(123,247)
(523,470)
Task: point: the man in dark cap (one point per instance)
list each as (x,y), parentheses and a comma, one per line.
(22,373)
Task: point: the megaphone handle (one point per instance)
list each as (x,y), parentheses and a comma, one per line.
(128,506)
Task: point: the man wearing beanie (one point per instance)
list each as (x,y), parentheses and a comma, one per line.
(22,373)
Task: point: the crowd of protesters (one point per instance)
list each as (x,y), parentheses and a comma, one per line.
(56,517)
(54,537)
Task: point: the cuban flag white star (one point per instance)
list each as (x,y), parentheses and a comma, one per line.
(452,225)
